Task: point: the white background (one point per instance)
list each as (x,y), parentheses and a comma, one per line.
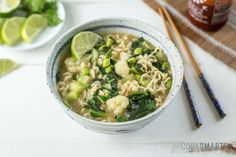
(32,124)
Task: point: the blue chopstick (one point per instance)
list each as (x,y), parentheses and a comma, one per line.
(209,91)
(195,113)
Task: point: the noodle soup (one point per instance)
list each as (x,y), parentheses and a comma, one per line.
(121,78)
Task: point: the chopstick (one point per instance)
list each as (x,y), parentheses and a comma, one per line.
(197,69)
(192,104)
(195,66)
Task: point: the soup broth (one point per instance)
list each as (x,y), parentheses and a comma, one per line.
(122,78)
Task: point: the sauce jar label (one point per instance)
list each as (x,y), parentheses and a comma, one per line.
(210,12)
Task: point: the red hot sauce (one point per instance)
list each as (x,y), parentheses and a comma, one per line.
(209,15)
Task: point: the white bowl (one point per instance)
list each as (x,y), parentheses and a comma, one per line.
(125,25)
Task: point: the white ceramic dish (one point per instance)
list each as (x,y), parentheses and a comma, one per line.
(48,34)
(131,26)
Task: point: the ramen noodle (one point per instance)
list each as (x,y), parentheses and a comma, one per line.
(122,78)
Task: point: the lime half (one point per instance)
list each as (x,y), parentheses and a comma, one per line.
(33,25)
(83,42)
(8,6)
(11,30)
(6,66)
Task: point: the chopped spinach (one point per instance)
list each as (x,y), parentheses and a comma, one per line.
(137,43)
(94,105)
(138,67)
(143,44)
(147,51)
(112,79)
(96,113)
(140,104)
(99,97)
(102,70)
(120,118)
(157,65)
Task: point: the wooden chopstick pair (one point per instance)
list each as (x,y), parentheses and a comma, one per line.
(193,107)
(192,104)
(166,16)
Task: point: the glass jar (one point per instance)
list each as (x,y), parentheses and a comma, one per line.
(209,15)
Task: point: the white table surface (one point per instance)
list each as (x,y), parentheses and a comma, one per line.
(32,124)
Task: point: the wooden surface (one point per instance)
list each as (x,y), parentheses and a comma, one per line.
(226,35)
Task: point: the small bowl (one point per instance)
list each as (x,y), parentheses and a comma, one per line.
(124,25)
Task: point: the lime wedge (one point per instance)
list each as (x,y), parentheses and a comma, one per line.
(8,6)
(11,30)
(83,42)
(6,66)
(33,25)
(1,24)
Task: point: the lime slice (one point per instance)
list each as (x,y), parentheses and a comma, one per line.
(33,25)
(6,66)
(1,24)
(11,30)
(83,42)
(8,6)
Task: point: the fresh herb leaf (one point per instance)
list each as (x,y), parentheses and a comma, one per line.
(50,12)
(48,8)
(34,6)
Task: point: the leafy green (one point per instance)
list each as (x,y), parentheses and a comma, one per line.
(34,6)
(111,78)
(140,104)
(94,109)
(99,97)
(50,12)
(48,8)
(157,65)
(103,94)
(137,43)
(102,70)
(120,118)
(143,44)
(97,113)
(162,63)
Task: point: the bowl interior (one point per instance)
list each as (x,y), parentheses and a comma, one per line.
(121,25)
